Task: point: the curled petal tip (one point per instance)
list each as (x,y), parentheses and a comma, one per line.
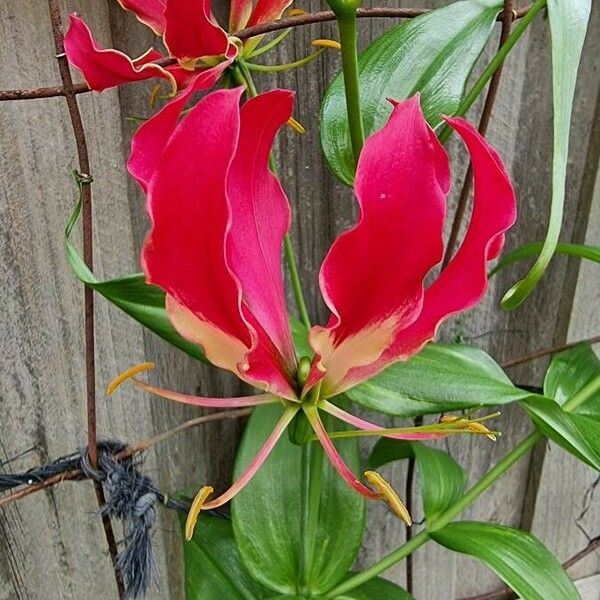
(128,374)
(197,503)
(389,495)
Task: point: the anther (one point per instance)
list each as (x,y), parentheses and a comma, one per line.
(389,495)
(192,518)
(123,377)
(296,12)
(296,126)
(325,43)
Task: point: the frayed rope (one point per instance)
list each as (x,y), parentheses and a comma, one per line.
(131,498)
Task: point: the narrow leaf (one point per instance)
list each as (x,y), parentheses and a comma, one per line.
(518,558)
(577,432)
(145,303)
(432,54)
(268,512)
(442,479)
(533,249)
(442,377)
(568,26)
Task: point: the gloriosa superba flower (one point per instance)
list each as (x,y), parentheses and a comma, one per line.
(219,216)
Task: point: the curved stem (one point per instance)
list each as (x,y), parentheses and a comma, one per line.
(348,39)
(464,501)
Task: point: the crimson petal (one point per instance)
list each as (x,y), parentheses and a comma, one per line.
(372,277)
(104,68)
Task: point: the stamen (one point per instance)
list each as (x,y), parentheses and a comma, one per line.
(192,518)
(334,456)
(259,459)
(480,428)
(296,126)
(154,95)
(123,377)
(389,495)
(296,12)
(325,43)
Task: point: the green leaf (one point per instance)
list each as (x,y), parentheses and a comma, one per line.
(432,54)
(267,513)
(568,26)
(442,377)
(527,250)
(443,480)
(212,564)
(300,337)
(518,558)
(145,303)
(577,432)
(569,372)
(376,589)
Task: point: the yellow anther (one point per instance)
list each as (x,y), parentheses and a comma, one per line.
(389,495)
(296,126)
(480,428)
(192,518)
(450,419)
(324,43)
(123,377)
(154,95)
(296,12)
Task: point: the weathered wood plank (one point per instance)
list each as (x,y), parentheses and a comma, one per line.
(42,383)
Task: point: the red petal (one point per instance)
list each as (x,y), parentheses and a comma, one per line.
(102,68)
(191,31)
(185,251)
(268,10)
(372,277)
(260,218)
(149,12)
(464,281)
(151,138)
(188,248)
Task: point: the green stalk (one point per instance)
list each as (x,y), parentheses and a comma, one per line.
(348,38)
(242,75)
(462,503)
(494,64)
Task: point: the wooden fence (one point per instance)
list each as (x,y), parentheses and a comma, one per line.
(51,543)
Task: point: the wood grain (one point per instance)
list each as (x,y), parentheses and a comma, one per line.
(51,545)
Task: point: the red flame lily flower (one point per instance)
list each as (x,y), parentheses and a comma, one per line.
(188,30)
(218,220)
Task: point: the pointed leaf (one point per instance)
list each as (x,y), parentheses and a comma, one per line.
(577,432)
(518,558)
(212,564)
(267,513)
(533,249)
(442,377)
(568,26)
(442,478)
(432,54)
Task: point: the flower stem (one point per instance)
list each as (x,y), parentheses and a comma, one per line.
(348,38)
(463,502)
(242,75)
(494,64)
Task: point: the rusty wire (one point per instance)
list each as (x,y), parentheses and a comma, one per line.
(88,256)
(308,19)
